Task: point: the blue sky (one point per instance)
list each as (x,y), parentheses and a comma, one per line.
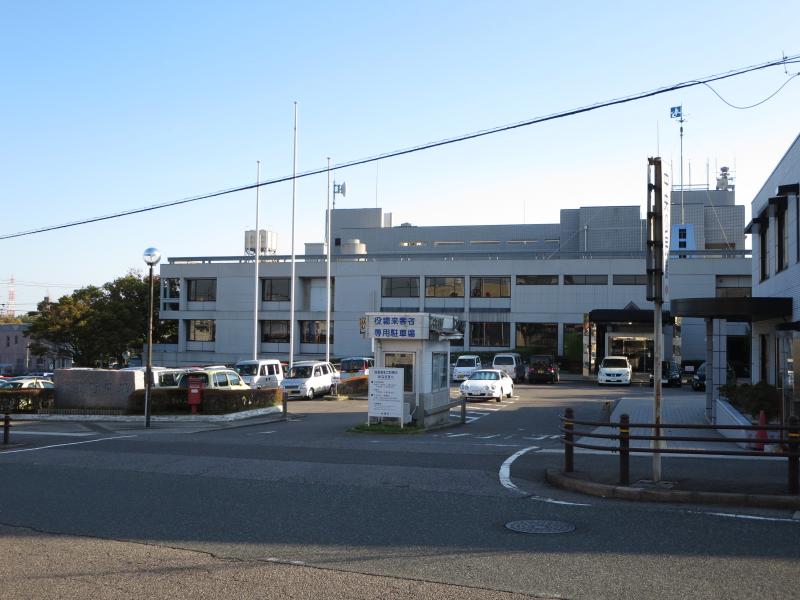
(115,105)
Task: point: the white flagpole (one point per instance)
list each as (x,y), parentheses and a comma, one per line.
(255,260)
(291,293)
(328,270)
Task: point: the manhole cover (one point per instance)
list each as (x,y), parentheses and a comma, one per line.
(538,526)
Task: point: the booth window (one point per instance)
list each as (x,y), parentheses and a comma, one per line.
(275,332)
(490,335)
(276,289)
(405,361)
(201,330)
(400,287)
(439,380)
(537,279)
(490,287)
(444,287)
(202,290)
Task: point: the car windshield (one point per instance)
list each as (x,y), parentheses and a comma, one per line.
(503,360)
(465,362)
(351,365)
(247,369)
(615,363)
(303,372)
(483,375)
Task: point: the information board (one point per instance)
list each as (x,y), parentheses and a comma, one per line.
(385,393)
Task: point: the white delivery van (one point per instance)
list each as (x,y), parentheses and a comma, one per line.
(260,373)
(465,366)
(511,363)
(306,379)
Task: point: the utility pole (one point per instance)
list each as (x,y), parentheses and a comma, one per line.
(658,233)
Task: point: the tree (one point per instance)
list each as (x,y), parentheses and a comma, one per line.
(96,326)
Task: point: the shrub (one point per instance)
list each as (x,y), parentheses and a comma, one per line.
(215,401)
(26,400)
(752,399)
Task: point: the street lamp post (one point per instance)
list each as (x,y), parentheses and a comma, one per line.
(151,257)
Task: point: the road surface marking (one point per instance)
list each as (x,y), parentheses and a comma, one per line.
(273,431)
(488,437)
(452,435)
(15,432)
(505,469)
(554,501)
(119,437)
(745,517)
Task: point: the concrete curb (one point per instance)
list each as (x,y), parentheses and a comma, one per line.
(237,416)
(573,483)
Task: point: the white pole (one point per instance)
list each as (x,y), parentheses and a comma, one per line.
(291,293)
(683,220)
(255,260)
(328,270)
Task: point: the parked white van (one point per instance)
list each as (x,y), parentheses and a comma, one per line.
(465,366)
(260,373)
(511,363)
(357,366)
(306,379)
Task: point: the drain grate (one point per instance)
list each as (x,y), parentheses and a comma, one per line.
(539,526)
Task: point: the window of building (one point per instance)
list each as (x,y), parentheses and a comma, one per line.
(681,233)
(630,280)
(412,244)
(490,287)
(202,290)
(170,293)
(400,287)
(405,361)
(485,242)
(276,289)
(444,287)
(449,243)
(439,379)
(733,286)
(521,242)
(763,259)
(585,279)
(490,335)
(201,330)
(781,240)
(274,332)
(540,338)
(537,279)
(314,332)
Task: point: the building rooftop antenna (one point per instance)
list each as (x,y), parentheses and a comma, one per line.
(676,112)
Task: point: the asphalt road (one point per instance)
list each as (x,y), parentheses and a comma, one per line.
(305,509)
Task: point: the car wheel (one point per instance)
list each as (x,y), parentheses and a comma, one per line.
(311,393)
(499,398)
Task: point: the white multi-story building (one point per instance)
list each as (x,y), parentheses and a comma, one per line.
(534,286)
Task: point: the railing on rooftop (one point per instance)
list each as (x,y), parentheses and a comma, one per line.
(460,256)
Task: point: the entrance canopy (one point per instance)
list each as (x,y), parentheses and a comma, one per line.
(626,315)
(733,309)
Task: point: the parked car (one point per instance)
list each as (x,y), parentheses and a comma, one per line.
(543,367)
(670,374)
(226,379)
(614,370)
(465,366)
(306,379)
(486,384)
(357,366)
(511,363)
(260,373)
(25,383)
(699,377)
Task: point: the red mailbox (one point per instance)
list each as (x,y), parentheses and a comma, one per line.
(196,386)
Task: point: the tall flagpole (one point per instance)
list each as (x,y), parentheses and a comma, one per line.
(328,270)
(255,260)
(294,196)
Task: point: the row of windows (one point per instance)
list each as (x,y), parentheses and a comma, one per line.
(420,243)
(311,332)
(490,287)
(278,289)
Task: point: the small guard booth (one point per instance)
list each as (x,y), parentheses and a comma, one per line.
(419,344)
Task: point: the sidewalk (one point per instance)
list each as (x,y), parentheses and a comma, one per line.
(755,481)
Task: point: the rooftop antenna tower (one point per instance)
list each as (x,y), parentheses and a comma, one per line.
(11,305)
(676,112)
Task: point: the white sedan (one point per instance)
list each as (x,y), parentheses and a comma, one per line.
(487,384)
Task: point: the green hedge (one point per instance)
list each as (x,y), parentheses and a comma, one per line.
(166,401)
(354,386)
(752,399)
(26,400)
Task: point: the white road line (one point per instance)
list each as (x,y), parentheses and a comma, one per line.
(745,517)
(505,470)
(535,438)
(452,435)
(554,501)
(14,432)
(119,437)
(488,437)
(273,431)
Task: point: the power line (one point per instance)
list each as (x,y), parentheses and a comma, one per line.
(785,60)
